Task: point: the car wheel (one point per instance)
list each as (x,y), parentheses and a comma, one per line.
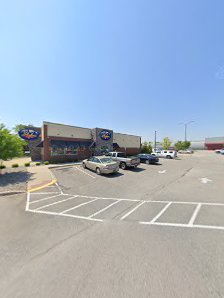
(147,162)
(84,165)
(123,166)
(168,157)
(98,171)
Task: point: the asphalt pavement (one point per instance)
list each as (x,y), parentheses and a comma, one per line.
(120,243)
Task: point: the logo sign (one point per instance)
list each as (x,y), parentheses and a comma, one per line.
(29,134)
(105,135)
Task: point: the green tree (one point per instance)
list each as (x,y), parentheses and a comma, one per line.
(18,127)
(178,145)
(186,144)
(166,143)
(182,145)
(10,145)
(146,147)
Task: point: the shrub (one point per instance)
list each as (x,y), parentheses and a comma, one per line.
(37,163)
(146,147)
(2,167)
(15,165)
(27,164)
(46,163)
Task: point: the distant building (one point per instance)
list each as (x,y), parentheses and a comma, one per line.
(214,143)
(197,145)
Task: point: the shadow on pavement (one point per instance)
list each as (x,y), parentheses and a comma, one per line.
(137,170)
(113,175)
(14,178)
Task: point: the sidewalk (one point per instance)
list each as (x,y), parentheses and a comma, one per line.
(42,176)
(31,178)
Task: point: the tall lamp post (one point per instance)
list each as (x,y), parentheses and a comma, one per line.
(185,128)
(155,140)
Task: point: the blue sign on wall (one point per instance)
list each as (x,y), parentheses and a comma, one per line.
(29,134)
(105,135)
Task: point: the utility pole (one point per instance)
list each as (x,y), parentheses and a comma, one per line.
(155,139)
(185,128)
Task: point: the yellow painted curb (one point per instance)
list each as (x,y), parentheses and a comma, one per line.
(43,186)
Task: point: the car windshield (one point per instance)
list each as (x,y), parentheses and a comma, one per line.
(106,160)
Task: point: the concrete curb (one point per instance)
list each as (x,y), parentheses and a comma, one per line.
(42,186)
(10,193)
(65,165)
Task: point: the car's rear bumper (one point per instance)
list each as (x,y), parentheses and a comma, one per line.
(109,171)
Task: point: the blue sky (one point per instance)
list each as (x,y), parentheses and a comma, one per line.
(132,66)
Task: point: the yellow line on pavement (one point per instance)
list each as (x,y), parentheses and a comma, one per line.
(43,186)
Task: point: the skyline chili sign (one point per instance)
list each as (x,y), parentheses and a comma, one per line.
(105,135)
(29,134)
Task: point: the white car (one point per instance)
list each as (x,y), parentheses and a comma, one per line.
(169,154)
(219,150)
(187,151)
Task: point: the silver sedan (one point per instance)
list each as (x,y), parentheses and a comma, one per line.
(101,165)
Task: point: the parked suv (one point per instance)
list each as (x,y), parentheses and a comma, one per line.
(165,153)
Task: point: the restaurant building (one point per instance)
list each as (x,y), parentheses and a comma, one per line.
(60,143)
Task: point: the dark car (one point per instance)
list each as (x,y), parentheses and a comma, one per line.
(148,158)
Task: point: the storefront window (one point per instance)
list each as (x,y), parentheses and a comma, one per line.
(62,150)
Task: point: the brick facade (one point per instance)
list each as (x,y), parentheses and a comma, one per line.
(87,147)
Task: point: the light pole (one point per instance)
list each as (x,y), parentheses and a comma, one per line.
(185,128)
(155,140)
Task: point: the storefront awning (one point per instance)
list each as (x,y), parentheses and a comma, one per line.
(116,146)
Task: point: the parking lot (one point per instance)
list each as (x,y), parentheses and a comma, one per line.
(154,231)
(182,193)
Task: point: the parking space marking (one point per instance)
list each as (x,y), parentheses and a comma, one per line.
(27,201)
(102,210)
(182,225)
(58,202)
(161,212)
(48,198)
(85,173)
(77,206)
(102,198)
(139,203)
(59,187)
(132,210)
(64,214)
(197,209)
(45,193)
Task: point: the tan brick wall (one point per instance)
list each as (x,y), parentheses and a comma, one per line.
(67,131)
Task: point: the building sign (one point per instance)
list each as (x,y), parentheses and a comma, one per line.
(29,134)
(105,135)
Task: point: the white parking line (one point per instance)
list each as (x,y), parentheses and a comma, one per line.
(197,209)
(44,193)
(62,214)
(102,198)
(27,201)
(132,210)
(48,198)
(100,211)
(85,172)
(59,188)
(161,212)
(55,203)
(80,205)
(182,225)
